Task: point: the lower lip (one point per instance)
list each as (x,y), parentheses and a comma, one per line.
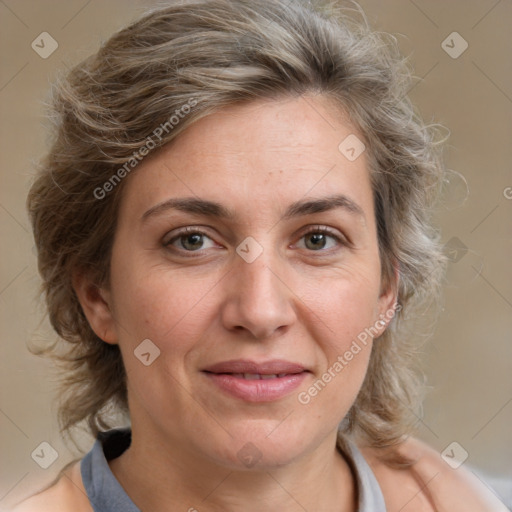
(257,390)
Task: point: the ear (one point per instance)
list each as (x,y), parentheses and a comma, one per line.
(387,302)
(96,305)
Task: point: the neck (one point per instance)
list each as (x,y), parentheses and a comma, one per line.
(157,474)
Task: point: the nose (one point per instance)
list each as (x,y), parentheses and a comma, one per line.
(259,300)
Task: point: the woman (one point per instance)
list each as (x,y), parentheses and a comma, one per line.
(233,234)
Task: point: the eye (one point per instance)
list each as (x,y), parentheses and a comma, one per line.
(320,238)
(189,240)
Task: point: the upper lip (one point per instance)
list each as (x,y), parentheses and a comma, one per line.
(271,367)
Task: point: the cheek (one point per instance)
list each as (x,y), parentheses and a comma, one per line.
(158,304)
(345,306)
(344,348)
(345,312)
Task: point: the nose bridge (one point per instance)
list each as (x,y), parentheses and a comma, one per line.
(258,301)
(259,281)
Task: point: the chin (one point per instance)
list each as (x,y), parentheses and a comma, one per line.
(255,449)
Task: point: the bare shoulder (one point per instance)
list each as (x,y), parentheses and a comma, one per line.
(65,495)
(430,484)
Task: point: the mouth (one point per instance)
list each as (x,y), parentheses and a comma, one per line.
(257,376)
(256,382)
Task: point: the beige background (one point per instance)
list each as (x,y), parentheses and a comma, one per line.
(469,357)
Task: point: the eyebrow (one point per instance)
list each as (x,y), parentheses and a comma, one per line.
(207,208)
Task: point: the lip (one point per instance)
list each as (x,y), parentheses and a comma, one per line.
(228,376)
(270,367)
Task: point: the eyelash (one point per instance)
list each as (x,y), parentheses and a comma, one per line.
(195,231)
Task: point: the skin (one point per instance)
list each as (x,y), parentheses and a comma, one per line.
(295,301)
(291,303)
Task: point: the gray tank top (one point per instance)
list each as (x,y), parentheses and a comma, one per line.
(106,494)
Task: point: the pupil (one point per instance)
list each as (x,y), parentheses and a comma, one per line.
(318,240)
(194,239)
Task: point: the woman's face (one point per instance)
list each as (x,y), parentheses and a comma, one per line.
(247,249)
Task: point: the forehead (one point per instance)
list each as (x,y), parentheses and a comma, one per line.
(274,151)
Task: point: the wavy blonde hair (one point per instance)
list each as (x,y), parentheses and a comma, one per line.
(215,53)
